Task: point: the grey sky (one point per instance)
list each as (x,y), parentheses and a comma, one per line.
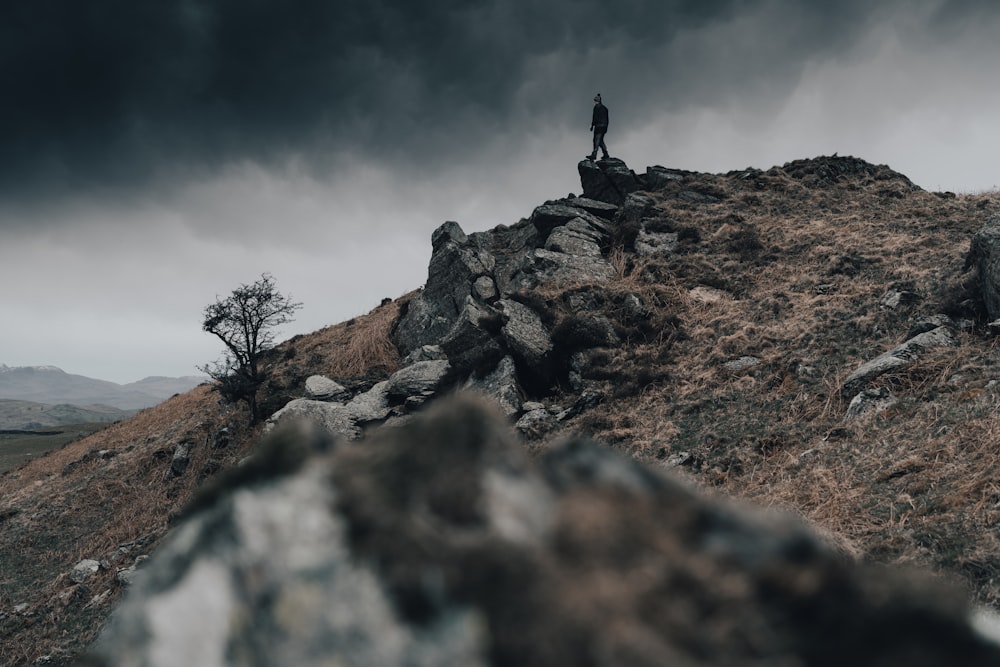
(154,155)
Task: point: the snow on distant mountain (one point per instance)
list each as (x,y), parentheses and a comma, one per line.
(52,385)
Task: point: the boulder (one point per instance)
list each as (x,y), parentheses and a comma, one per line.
(181,459)
(370,406)
(984,257)
(420,377)
(897,358)
(529,342)
(322,388)
(84,570)
(337,419)
(560,268)
(442,542)
(471,345)
(608,181)
(870,401)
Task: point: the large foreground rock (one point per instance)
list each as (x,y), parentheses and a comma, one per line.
(443,543)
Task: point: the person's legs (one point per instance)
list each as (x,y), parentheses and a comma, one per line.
(599,143)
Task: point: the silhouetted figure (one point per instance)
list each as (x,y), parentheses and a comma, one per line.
(599,124)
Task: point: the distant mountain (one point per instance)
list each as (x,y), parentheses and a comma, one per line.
(51,385)
(28,415)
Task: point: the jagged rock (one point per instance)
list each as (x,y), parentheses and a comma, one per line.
(425,353)
(897,358)
(84,570)
(870,401)
(527,337)
(471,344)
(340,420)
(420,377)
(573,242)
(984,257)
(636,208)
(443,543)
(548,217)
(500,386)
(601,209)
(607,180)
(456,263)
(559,268)
(322,388)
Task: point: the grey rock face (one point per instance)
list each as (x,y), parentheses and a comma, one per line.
(442,543)
(371,406)
(336,418)
(456,264)
(984,257)
(420,377)
(471,344)
(526,336)
(601,209)
(560,268)
(501,386)
(897,358)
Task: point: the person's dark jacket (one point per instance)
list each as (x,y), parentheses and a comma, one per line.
(600,120)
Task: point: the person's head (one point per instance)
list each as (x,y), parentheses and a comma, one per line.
(597,98)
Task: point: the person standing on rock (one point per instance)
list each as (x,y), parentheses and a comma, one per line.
(599,125)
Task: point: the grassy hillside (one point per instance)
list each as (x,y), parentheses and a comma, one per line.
(788,266)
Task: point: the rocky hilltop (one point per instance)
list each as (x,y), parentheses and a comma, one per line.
(817,337)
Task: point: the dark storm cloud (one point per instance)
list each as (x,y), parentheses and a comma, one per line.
(109,93)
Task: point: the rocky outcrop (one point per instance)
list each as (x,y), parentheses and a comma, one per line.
(984,257)
(443,543)
(608,180)
(456,264)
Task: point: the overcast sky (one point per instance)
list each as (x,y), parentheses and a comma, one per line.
(154,155)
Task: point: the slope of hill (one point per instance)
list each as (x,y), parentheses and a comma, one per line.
(717,342)
(48,384)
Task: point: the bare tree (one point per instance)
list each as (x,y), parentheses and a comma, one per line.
(243,322)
